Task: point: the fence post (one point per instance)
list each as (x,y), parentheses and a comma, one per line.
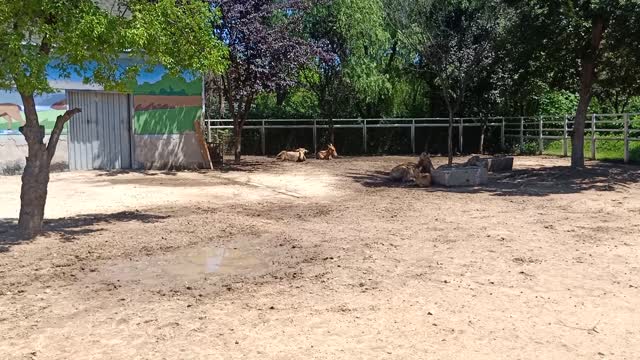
(208,124)
(413,135)
(565,140)
(521,134)
(626,138)
(502,140)
(593,137)
(540,139)
(263,140)
(364,135)
(461,127)
(315,137)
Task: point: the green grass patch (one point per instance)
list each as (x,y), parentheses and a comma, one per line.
(605,149)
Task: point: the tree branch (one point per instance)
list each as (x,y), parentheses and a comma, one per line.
(247,108)
(625,103)
(392,56)
(228,91)
(57,130)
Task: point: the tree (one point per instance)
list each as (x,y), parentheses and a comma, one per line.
(618,80)
(573,38)
(266,51)
(79,36)
(454,38)
(353,33)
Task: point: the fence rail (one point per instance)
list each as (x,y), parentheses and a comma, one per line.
(625,127)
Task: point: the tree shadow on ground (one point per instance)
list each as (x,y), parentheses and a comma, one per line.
(249,166)
(253,165)
(113,173)
(70,228)
(530,182)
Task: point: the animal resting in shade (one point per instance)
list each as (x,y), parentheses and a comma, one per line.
(328,154)
(298,155)
(414,171)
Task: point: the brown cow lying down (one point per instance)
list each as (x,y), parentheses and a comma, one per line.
(410,171)
(328,154)
(297,155)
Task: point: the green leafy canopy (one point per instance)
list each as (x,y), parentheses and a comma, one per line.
(80,36)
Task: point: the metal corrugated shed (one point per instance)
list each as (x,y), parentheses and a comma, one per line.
(100,136)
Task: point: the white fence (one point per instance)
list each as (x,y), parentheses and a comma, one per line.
(598,127)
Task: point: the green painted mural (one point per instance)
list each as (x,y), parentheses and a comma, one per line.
(169,105)
(166,121)
(169,85)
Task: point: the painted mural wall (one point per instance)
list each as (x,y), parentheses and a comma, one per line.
(165,109)
(163,104)
(49,107)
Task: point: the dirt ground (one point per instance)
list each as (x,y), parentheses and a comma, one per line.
(326,260)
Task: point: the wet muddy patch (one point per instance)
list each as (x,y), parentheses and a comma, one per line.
(184,266)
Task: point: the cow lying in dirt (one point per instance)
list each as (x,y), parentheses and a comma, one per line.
(419,172)
(328,154)
(297,155)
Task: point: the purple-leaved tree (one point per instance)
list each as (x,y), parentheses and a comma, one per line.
(266,51)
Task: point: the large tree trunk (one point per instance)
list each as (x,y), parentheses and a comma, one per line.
(577,142)
(587,77)
(35,178)
(237,142)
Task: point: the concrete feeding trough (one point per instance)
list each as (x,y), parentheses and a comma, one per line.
(499,164)
(460,176)
(492,164)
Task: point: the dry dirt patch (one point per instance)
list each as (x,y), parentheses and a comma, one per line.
(90,192)
(327,260)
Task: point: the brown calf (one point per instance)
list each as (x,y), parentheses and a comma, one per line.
(328,154)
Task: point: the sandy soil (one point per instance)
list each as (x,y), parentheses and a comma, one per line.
(326,260)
